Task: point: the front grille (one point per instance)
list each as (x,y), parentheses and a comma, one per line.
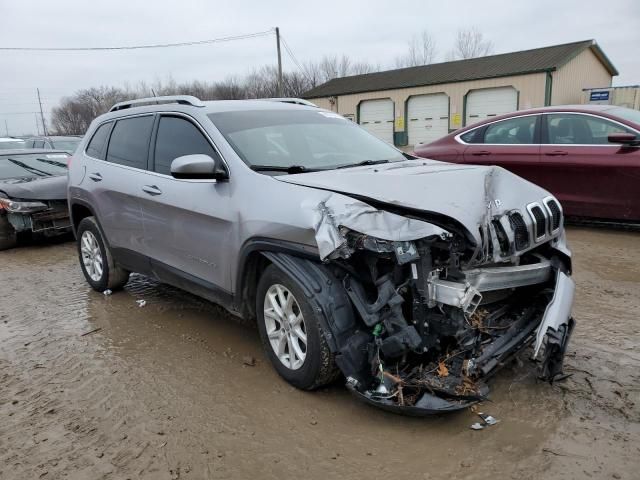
(556,214)
(539,221)
(502,237)
(519,227)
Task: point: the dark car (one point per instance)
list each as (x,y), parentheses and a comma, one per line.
(33,194)
(588,156)
(65,143)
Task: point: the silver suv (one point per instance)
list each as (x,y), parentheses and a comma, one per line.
(412,278)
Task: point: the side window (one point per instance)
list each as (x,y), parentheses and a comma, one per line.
(96,146)
(129,143)
(177,137)
(516,131)
(38,144)
(567,128)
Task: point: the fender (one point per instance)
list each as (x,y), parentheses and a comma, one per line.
(252,249)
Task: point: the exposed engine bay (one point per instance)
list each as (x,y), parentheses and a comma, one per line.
(437,315)
(435,330)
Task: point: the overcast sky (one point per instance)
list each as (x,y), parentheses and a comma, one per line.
(375,31)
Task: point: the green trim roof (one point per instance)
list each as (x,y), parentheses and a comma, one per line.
(515,63)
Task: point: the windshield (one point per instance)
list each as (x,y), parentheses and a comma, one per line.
(68,145)
(12,144)
(311,139)
(33,165)
(626,114)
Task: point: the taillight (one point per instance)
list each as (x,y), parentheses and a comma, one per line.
(69,161)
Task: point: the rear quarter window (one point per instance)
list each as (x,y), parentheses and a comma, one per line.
(98,142)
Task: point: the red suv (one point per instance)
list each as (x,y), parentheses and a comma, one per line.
(588,156)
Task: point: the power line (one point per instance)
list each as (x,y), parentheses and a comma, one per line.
(293,58)
(138,47)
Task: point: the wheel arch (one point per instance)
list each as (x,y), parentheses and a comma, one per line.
(253,261)
(322,289)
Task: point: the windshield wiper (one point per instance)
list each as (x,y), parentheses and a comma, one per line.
(291,169)
(39,172)
(364,162)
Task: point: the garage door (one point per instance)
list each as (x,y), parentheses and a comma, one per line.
(490,102)
(427,118)
(376,116)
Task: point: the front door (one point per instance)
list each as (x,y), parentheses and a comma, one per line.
(187,222)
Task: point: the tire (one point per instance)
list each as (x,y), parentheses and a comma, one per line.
(8,235)
(318,367)
(110,276)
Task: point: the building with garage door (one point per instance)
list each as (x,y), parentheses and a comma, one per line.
(420,104)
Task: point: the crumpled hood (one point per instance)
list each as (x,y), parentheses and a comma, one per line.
(469,194)
(39,188)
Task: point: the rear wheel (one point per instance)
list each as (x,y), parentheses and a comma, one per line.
(96,260)
(8,236)
(291,333)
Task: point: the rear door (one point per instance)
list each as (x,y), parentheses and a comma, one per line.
(512,144)
(116,180)
(590,176)
(187,222)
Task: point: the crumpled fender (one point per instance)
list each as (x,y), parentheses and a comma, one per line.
(334,212)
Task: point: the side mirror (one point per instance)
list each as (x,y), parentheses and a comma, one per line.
(198,167)
(623,138)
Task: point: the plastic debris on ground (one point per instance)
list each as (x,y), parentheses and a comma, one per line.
(487,421)
(107,292)
(141,303)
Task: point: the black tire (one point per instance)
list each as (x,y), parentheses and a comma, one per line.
(8,236)
(319,368)
(113,277)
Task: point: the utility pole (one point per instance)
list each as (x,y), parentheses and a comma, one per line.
(44,125)
(279,62)
(6,127)
(35,115)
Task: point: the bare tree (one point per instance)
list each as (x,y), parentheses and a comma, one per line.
(421,50)
(470,43)
(75,113)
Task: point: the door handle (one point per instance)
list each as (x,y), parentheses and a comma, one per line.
(557,153)
(481,153)
(152,190)
(96,177)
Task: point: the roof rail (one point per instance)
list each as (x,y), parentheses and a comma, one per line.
(296,101)
(179,99)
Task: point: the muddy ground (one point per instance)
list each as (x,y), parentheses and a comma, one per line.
(163,392)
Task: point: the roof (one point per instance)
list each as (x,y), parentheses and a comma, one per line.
(516,63)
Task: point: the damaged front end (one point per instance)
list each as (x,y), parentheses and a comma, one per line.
(42,217)
(436,313)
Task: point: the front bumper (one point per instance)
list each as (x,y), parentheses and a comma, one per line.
(547,328)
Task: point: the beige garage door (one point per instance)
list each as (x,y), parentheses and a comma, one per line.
(376,116)
(427,118)
(490,102)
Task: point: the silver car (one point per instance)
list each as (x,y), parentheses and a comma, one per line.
(411,278)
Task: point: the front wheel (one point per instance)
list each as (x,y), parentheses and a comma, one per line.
(96,260)
(291,333)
